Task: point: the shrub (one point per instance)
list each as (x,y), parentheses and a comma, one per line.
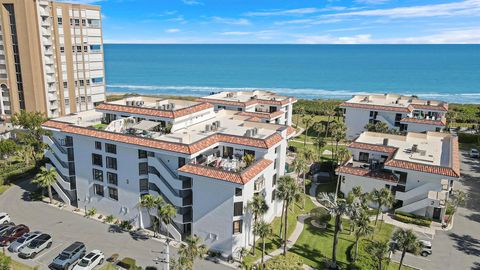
(151,268)
(411,220)
(109,219)
(113,258)
(320,215)
(468,138)
(91,212)
(126,225)
(412,215)
(289,262)
(127,263)
(450,209)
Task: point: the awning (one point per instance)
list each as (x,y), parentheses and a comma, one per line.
(146,125)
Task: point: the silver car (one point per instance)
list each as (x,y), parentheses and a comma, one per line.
(23,241)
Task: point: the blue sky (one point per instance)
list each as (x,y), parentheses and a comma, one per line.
(290,21)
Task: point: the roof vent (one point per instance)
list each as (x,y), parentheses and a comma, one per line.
(385,141)
(414,148)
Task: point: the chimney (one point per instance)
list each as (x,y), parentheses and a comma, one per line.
(414,148)
(385,141)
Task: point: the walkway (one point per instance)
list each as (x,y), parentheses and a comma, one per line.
(425,231)
(290,241)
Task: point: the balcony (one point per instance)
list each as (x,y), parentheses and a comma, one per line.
(214,160)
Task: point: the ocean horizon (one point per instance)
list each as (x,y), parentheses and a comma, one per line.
(445,72)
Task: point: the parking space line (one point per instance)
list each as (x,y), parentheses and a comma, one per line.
(48,251)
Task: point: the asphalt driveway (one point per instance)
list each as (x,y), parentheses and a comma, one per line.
(66,227)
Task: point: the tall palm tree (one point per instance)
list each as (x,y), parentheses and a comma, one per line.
(339,131)
(288,191)
(406,240)
(362,229)
(45,179)
(150,202)
(165,213)
(337,208)
(258,207)
(307,121)
(329,112)
(262,229)
(191,250)
(300,111)
(382,197)
(379,250)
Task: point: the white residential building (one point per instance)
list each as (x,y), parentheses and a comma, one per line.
(182,150)
(260,106)
(402,113)
(419,168)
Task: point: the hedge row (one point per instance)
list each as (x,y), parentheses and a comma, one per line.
(413,220)
(468,138)
(413,215)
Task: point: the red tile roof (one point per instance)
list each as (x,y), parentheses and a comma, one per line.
(385,176)
(164,145)
(423,121)
(252,101)
(408,165)
(373,147)
(154,112)
(375,107)
(291,131)
(234,177)
(442,107)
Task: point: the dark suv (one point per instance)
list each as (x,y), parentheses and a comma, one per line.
(69,256)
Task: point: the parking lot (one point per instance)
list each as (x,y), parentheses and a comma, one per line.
(66,228)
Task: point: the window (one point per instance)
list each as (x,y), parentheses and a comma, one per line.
(110,148)
(112,178)
(239,109)
(85,48)
(238,209)
(79,48)
(97,160)
(362,156)
(98,189)
(62,49)
(237,226)
(67,102)
(98,175)
(84,23)
(98,145)
(81,82)
(113,193)
(142,154)
(77,22)
(238,192)
(143,185)
(60,21)
(221,107)
(181,162)
(65,84)
(111,163)
(273,195)
(142,168)
(98,80)
(274,180)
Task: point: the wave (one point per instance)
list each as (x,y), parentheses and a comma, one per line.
(307,93)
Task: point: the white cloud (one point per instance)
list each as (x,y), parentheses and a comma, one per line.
(231,21)
(467,7)
(297,11)
(372,2)
(452,36)
(192,2)
(178,19)
(172,30)
(236,33)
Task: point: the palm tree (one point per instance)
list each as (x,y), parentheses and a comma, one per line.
(329,112)
(337,208)
(258,207)
(150,202)
(45,179)
(165,213)
(191,250)
(339,131)
(362,229)
(288,191)
(380,127)
(307,120)
(319,143)
(300,111)
(405,240)
(262,229)
(383,197)
(379,250)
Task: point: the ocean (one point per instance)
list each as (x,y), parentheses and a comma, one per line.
(446,72)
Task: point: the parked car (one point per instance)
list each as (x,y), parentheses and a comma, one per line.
(426,248)
(474,153)
(5,227)
(12,234)
(89,261)
(4,218)
(23,241)
(69,256)
(36,246)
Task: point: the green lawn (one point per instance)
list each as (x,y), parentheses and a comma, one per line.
(314,245)
(273,242)
(20,266)
(3,188)
(108,266)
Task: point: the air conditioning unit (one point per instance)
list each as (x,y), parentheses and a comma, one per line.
(414,148)
(248,133)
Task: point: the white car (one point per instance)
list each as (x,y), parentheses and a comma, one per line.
(474,153)
(36,246)
(4,218)
(23,241)
(89,261)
